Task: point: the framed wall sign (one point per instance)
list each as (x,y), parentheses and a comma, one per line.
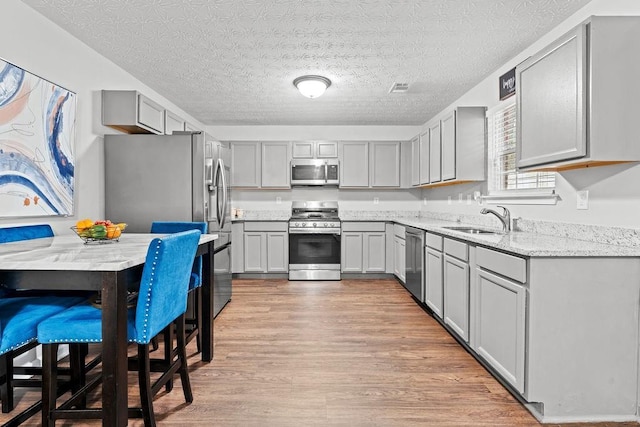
(37,139)
(508,84)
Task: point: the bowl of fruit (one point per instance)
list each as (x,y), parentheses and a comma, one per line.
(101,231)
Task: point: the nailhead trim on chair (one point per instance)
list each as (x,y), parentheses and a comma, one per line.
(13,347)
(148,300)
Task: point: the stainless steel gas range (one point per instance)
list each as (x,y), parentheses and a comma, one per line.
(314,241)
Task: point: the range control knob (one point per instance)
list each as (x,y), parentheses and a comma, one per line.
(315,225)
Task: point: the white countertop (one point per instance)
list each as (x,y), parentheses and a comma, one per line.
(517,242)
(69,252)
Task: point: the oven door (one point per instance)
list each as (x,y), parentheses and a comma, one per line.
(314,256)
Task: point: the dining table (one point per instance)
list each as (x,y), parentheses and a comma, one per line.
(64,262)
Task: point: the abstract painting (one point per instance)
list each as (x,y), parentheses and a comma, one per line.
(37,136)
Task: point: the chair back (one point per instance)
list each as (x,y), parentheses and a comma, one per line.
(25,232)
(165,283)
(169,227)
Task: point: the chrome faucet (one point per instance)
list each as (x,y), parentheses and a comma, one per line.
(505,217)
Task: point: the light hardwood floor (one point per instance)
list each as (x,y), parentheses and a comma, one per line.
(349,353)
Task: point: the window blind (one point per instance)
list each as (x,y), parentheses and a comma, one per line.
(503,175)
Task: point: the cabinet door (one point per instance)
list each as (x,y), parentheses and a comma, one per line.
(245,164)
(277,252)
(237,249)
(191,127)
(449,146)
(434,283)
(326,149)
(399,257)
(435,146)
(275,165)
(172,122)
(351,252)
(255,252)
(303,150)
(500,325)
(385,164)
(150,114)
(415,161)
(456,296)
(354,167)
(551,89)
(374,259)
(424,158)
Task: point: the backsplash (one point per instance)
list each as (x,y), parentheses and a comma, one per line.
(347,215)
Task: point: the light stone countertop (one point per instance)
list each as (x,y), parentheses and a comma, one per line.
(518,242)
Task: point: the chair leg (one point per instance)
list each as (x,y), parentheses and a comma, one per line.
(198,313)
(6,389)
(168,352)
(182,356)
(49,382)
(77,359)
(144,381)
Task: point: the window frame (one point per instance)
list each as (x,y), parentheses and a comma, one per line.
(533,196)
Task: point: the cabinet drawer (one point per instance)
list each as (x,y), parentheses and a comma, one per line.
(363,226)
(266,226)
(398,230)
(456,249)
(506,265)
(434,241)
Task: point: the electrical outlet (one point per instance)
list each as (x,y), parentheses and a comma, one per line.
(424,201)
(468,199)
(449,200)
(460,198)
(376,200)
(278,200)
(582,200)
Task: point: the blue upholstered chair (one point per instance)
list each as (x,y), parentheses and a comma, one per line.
(20,313)
(162,299)
(194,321)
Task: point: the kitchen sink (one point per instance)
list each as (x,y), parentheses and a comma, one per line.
(472,230)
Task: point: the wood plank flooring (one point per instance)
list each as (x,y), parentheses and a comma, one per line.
(349,353)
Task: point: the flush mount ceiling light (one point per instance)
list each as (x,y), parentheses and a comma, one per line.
(312,86)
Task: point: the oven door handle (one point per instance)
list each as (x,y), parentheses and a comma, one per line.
(315,231)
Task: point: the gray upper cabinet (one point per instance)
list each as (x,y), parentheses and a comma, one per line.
(572,108)
(385,164)
(131,112)
(191,127)
(354,164)
(458,146)
(275,165)
(246,164)
(172,122)
(314,149)
(424,158)
(415,161)
(435,146)
(448,138)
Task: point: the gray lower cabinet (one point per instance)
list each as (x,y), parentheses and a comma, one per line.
(434,274)
(260,247)
(456,287)
(363,247)
(500,325)
(399,256)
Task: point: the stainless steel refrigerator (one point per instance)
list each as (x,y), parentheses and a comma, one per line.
(179,177)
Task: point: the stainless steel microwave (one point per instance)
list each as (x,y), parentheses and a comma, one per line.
(314,172)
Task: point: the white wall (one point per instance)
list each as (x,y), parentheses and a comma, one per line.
(41,47)
(284,133)
(614,191)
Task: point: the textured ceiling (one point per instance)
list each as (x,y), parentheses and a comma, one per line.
(232,62)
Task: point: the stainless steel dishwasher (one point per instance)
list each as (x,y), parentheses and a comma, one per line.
(414,262)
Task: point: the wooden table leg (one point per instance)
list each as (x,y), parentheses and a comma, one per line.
(207,304)
(114,349)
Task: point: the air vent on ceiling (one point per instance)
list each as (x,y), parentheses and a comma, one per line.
(399,88)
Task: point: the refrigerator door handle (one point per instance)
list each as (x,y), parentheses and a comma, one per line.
(225,195)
